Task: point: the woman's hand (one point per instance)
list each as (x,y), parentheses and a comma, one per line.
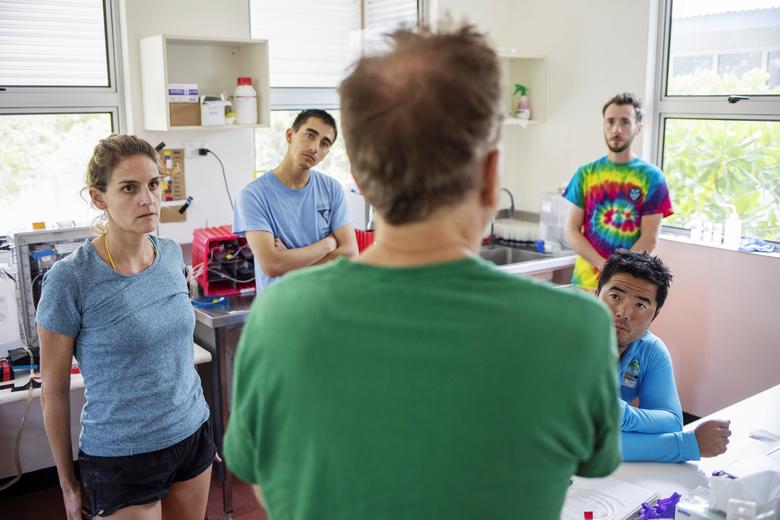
(75,509)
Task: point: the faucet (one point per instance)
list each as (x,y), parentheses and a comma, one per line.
(492,236)
(511,203)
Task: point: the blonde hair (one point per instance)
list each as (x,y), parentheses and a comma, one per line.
(107,155)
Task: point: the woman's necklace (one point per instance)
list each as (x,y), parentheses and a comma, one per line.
(108,251)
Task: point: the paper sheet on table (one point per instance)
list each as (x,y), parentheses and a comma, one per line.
(608,498)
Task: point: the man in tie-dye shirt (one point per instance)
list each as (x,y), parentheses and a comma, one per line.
(618,201)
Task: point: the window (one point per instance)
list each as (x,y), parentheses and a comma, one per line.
(59,95)
(313,44)
(270,147)
(718,112)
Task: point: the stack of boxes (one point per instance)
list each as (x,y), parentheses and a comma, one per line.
(183,104)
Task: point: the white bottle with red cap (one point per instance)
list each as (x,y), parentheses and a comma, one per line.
(245,98)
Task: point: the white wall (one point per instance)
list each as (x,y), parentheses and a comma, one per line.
(203,177)
(720,323)
(593,50)
(720,320)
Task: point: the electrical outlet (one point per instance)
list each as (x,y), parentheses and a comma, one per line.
(191,149)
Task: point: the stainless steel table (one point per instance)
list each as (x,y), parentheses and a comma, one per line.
(218,331)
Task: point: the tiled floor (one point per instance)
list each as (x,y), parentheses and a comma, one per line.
(47,504)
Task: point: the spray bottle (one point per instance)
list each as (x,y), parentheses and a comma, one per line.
(523,110)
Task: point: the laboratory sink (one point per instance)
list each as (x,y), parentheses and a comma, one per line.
(505,255)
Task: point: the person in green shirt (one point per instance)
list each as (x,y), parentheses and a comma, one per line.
(418,381)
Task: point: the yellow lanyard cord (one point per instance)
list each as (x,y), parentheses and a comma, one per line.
(108,251)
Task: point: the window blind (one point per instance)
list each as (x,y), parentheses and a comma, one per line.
(313,43)
(53,43)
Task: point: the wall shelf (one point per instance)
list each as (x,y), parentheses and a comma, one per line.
(530,71)
(212,63)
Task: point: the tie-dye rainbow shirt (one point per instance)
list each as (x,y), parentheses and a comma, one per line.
(614,197)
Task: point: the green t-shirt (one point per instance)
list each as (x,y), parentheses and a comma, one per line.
(443,391)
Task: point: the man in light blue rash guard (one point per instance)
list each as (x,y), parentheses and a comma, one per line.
(294,216)
(634,285)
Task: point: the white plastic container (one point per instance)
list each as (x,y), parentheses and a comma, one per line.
(732,233)
(9,318)
(245,98)
(717,232)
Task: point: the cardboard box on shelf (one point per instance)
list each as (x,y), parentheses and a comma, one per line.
(184,114)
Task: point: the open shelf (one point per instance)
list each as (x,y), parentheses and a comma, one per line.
(211,63)
(530,71)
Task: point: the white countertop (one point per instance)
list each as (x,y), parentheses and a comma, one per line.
(759,412)
(76,380)
(558,261)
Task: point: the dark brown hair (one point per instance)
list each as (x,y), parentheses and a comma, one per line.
(418,120)
(625,98)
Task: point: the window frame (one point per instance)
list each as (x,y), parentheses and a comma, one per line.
(762,107)
(23,100)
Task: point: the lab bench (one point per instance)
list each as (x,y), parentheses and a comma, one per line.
(218,331)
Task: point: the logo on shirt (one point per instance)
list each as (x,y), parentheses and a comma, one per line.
(631,376)
(634,194)
(325,214)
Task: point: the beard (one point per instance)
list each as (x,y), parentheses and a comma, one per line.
(618,149)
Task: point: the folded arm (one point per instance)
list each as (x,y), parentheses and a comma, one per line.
(347,244)
(277,261)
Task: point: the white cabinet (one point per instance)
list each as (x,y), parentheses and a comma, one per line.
(530,71)
(212,63)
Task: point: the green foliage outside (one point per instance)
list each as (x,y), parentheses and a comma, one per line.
(43,161)
(714,167)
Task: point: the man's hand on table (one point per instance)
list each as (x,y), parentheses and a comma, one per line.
(713,437)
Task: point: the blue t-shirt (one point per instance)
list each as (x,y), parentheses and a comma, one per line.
(298,217)
(133,343)
(652,431)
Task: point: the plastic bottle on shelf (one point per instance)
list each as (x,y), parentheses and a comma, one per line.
(245,102)
(706,231)
(717,232)
(696,229)
(523,110)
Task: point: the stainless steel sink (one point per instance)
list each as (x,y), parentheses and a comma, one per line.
(505,255)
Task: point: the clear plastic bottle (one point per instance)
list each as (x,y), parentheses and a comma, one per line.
(245,102)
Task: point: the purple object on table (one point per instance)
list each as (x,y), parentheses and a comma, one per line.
(663,508)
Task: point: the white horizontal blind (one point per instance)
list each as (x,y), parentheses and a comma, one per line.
(390,14)
(381,17)
(309,41)
(53,43)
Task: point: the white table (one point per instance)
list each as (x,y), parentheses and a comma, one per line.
(76,380)
(759,412)
(34,447)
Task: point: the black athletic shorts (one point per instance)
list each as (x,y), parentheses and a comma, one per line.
(112,483)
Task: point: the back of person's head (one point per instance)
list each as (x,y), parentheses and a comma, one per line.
(109,152)
(642,265)
(625,98)
(319,114)
(419,120)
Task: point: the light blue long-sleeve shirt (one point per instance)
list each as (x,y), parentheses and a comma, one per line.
(653,430)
